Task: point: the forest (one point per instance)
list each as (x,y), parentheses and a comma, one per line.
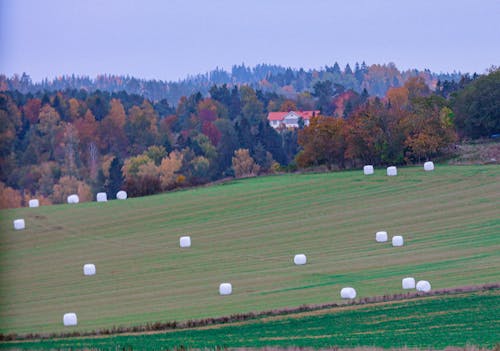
(287,81)
(76,135)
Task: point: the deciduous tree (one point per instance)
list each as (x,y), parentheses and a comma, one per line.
(243,164)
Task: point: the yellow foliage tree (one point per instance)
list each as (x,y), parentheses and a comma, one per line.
(243,164)
(68,185)
(168,168)
(9,198)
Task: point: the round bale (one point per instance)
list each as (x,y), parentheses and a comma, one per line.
(348,293)
(69,319)
(121,195)
(408,283)
(368,169)
(397,240)
(89,269)
(185,241)
(424,286)
(381,237)
(429,166)
(300,259)
(34,203)
(225,289)
(101,197)
(73,199)
(392,171)
(19,224)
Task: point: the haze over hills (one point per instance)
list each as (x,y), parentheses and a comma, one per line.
(375,78)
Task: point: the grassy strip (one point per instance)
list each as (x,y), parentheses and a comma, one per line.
(162,326)
(429,322)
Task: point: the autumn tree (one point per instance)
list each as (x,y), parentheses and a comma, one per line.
(429,129)
(87,128)
(169,168)
(141,176)
(288,105)
(45,133)
(31,110)
(70,142)
(9,198)
(243,164)
(323,142)
(112,136)
(69,185)
(141,128)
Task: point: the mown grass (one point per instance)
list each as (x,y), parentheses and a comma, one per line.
(432,322)
(246,232)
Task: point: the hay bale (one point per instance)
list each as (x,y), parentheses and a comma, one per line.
(392,171)
(101,197)
(397,240)
(19,224)
(34,203)
(381,237)
(88,269)
(424,286)
(185,241)
(348,293)
(225,289)
(300,259)
(69,319)
(73,199)
(368,169)
(121,195)
(429,166)
(408,283)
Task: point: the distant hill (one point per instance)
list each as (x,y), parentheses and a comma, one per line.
(375,78)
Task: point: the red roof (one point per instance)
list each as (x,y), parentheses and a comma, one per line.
(279,116)
(276,116)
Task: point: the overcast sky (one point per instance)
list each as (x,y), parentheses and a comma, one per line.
(170,39)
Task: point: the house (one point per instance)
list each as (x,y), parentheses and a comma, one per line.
(290,119)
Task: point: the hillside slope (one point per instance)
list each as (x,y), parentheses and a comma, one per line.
(246,232)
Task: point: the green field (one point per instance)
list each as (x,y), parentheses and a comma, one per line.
(246,232)
(435,322)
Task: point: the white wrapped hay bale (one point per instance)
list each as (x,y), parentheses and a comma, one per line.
(408,283)
(101,197)
(121,195)
(381,237)
(73,199)
(392,171)
(69,319)
(34,203)
(397,240)
(348,293)
(300,259)
(185,241)
(368,169)
(19,224)
(88,269)
(429,166)
(424,286)
(225,289)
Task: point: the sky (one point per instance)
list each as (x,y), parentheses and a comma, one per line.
(171,39)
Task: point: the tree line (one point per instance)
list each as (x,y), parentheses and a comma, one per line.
(56,143)
(375,78)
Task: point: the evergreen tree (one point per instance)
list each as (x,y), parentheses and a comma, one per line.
(115,181)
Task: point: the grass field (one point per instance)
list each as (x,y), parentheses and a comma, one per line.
(246,232)
(433,322)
